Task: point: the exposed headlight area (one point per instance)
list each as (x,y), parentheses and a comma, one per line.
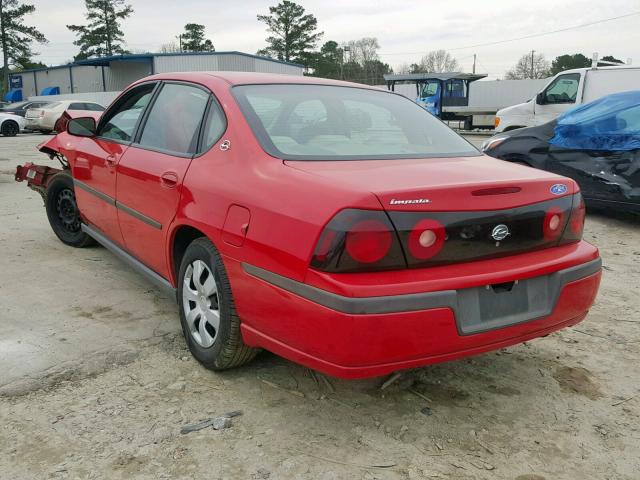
(492,143)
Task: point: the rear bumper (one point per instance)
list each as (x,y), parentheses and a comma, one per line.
(354,337)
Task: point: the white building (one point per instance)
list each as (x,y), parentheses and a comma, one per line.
(112,74)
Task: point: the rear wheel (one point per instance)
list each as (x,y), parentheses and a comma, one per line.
(10,128)
(209,320)
(63,213)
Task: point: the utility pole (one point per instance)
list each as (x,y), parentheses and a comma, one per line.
(474,63)
(532,52)
(180,42)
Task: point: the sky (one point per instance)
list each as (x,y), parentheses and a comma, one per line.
(405,30)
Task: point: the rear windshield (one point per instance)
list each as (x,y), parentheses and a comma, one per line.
(322,122)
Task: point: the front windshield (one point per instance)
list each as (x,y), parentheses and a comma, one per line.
(430,88)
(322,122)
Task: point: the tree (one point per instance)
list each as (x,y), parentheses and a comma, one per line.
(16,37)
(609,58)
(327,62)
(171,47)
(436,61)
(294,33)
(193,40)
(567,62)
(102,35)
(530,65)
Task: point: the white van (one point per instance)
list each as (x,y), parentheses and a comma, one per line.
(566,89)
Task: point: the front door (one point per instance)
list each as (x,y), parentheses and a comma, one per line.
(557,98)
(150,173)
(94,168)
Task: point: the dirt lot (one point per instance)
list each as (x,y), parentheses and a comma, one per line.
(95,383)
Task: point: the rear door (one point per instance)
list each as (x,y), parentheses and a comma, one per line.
(151,171)
(94,168)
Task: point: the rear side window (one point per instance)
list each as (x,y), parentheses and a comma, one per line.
(174,121)
(120,121)
(214,126)
(76,106)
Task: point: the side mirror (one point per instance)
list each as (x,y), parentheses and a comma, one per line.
(82,127)
(540,98)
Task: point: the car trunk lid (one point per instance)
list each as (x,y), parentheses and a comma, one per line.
(443,184)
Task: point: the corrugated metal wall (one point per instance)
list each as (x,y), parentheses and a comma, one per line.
(221,62)
(55,77)
(120,74)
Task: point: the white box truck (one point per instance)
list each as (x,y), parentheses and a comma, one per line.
(565,90)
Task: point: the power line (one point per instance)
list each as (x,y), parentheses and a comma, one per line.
(533,35)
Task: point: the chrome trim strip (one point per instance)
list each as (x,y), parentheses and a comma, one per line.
(120,206)
(133,262)
(409,302)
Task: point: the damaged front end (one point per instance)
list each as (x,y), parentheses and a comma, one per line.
(38,177)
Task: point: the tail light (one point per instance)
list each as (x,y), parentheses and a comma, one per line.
(367,240)
(358,240)
(574,230)
(553,223)
(426,239)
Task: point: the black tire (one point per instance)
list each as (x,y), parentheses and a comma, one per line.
(63,213)
(228,349)
(10,128)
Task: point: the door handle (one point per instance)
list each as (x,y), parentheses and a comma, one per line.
(169,179)
(111,161)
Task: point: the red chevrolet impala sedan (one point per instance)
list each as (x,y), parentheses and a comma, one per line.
(335,224)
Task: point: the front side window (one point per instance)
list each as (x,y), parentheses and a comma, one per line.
(174,121)
(322,122)
(564,89)
(120,121)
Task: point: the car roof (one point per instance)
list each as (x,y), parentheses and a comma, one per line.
(254,78)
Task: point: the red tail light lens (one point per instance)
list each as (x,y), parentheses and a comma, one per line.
(575,228)
(358,240)
(368,241)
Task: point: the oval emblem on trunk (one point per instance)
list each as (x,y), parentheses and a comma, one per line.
(558,189)
(500,232)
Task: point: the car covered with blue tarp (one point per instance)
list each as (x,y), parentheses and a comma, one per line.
(597,144)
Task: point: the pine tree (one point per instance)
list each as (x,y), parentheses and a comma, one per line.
(102,35)
(16,37)
(193,40)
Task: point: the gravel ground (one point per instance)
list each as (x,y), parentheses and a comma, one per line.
(96,383)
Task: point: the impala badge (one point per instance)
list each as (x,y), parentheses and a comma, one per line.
(412,201)
(500,232)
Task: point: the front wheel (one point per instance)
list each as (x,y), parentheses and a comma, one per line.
(209,320)
(63,213)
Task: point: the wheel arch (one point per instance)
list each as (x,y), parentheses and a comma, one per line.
(181,237)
